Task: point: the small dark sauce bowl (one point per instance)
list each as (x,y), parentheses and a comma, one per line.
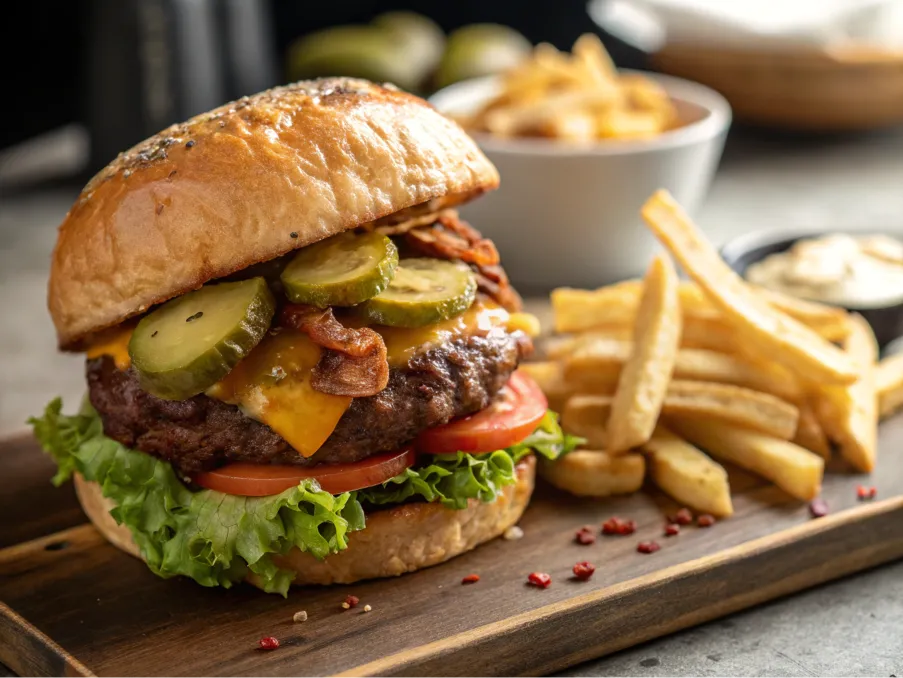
(740,253)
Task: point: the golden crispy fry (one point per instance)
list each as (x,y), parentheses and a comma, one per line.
(795,470)
(810,434)
(560,347)
(775,335)
(704,365)
(578,127)
(589,50)
(530,118)
(645,376)
(585,416)
(550,379)
(594,361)
(850,414)
(742,406)
(687,474)
(600,359)
(619,124)
(830,322)
(577,97)
(581,310)
(889,382)
(709,332)
(591,473)
(704,325)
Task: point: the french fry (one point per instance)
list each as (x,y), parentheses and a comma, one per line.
(889,382)
(592,473)
(548,376)
(584,414)
(687,474)
(560,347)
(581,310)
(850,414)
(589,50)
(704,326)
(830,322)
(723,402)
(795,470)
(644,378)
(621,124)
(810,434)
(578,97)
(594,361)
(776,335)
(600,360)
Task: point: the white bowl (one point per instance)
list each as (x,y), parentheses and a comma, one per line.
(568,214)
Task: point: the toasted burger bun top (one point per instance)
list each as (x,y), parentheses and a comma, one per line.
(246,183)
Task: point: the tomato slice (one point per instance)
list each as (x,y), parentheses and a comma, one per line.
(258,480)
(514,415)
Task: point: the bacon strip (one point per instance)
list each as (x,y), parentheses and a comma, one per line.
(451,238)
(354,361)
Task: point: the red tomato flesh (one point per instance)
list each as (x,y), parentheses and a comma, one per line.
(258,480)
(514,415)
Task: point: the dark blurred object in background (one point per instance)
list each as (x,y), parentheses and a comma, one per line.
(153,62)
(126,69)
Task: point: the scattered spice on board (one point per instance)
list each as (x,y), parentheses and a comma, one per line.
(683,517)
(672,530)
(470,579)
(585,536)
(584,570)
(268,643)
(618,526)
(300,616)
(705,520)
(864,493)
(818,508)
(540,579)
(648,547)
(350,601)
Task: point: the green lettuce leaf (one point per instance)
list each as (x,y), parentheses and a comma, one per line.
(453,479)
(212,537)
(216,538)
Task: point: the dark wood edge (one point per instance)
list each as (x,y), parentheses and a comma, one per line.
(574,630)
(29,652)
(69,534)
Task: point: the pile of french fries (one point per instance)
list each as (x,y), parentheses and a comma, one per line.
(659,374)
(578,97)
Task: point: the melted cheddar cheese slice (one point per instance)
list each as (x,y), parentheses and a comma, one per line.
(272,384)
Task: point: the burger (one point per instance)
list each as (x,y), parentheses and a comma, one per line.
(301,363)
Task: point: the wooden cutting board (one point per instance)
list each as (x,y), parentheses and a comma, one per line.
(73,605)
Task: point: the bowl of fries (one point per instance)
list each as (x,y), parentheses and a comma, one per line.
(667,379)
(579,146)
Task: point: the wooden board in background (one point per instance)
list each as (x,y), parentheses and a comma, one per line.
(106,614)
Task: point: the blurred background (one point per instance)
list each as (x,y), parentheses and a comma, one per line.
(815,86)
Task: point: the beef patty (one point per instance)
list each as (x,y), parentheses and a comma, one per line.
(201,433)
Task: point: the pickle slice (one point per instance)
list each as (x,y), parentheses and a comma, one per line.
(193,341)
(343,270)
(423,292)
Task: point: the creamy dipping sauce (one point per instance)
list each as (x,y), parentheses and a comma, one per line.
(856,272)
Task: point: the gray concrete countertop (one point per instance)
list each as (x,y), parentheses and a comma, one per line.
(846,628)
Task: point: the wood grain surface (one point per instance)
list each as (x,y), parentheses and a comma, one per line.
(81,596)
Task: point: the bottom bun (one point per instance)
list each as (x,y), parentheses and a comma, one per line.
(396,540)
